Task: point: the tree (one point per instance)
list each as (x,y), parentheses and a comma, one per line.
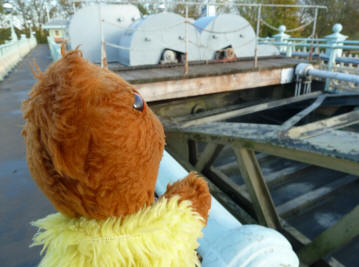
(345,12)
(143,10)
(194,11)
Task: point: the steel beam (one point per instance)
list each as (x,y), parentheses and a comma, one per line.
(257,188)
(332,238)
(317,128)
(263,138)
(207,157)
(297,117)
(248,110)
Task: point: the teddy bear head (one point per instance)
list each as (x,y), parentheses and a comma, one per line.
(93,145)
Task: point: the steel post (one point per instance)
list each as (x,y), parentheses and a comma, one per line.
(257,36)
(186,43)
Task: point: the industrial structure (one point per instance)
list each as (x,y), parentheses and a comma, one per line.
(264,120)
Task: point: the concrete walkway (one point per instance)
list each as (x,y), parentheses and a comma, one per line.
(20,200)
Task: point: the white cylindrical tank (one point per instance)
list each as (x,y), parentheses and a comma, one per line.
(228,30)
(225,30)
(148,38)
(225,241)
(84,28)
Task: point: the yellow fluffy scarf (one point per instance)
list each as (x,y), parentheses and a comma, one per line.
(164,234)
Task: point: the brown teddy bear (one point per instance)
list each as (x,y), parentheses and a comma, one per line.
(94,147)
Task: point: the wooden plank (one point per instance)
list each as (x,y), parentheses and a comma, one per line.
(317,128)
(332,238)
(172,89)
(207,157)
(251,109)
(258,190)
(297,117)
(309,198)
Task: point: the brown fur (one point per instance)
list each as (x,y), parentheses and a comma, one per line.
(89,150)
(194,189)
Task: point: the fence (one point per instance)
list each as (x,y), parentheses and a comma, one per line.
(334,53)
(329,49)
(13,52)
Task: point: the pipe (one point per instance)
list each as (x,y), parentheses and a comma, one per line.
(225,241)
(334,75)
(304,70)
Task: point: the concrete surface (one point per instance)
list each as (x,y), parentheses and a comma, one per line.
(20,200)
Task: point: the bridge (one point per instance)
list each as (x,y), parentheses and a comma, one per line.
(17,190)
(21,200)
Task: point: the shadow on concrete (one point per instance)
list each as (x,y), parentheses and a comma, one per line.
(20,199)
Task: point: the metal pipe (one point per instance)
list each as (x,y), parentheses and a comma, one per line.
(315,22)
(344,47)
(334,75)
(257,36)
(103,45)
(303,70)
(186,44)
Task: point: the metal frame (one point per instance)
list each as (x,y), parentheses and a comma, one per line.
(197,3)
(259,6)
(246,139)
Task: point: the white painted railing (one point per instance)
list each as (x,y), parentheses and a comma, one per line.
(226,242)
(13,52)
(334,52)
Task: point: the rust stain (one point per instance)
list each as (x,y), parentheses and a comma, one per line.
(208,85)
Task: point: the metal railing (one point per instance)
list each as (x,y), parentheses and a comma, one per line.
(187,4)
(334,51)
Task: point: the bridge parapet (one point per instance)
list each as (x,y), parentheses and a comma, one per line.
(12,52)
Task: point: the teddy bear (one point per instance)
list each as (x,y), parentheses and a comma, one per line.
(93,147)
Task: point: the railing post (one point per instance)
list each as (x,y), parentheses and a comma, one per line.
(334,40)
(186,43)
(257,36)
(282,37)
(290,49)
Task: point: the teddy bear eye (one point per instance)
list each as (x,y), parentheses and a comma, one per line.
(139,103)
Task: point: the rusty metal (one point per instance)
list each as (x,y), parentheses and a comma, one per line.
(321,146)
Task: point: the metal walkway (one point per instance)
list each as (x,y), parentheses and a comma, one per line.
(20,199)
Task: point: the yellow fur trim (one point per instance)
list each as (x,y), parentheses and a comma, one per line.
(164,234)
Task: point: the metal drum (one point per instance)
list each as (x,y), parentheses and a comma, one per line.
(84,28)
(228,36)
(158,38)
